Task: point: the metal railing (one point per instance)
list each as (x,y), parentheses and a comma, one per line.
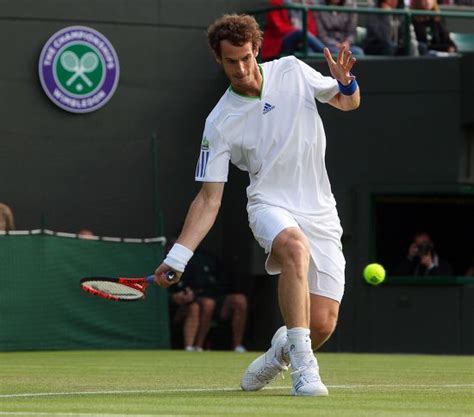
(405,13)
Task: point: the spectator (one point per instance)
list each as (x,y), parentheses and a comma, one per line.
(384,31)
(430,32)
(234,309)
(196,295)
(336,29)
(284,30)
(86,234)
(7,221)
(422,259)
(186,311)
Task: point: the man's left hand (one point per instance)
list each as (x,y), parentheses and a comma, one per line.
(341,68)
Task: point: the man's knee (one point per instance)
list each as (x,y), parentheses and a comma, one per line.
(292,247)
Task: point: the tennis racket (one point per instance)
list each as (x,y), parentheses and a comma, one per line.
(120,288)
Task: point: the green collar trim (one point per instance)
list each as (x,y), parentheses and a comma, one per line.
(251,97)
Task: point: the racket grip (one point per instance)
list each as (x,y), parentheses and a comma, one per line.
(170,276)
(150,279)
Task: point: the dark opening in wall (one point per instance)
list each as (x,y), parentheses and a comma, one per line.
(447,218)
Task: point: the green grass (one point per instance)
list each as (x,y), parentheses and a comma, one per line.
(175,383)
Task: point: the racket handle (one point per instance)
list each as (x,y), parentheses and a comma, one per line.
(170,276)
(150,279)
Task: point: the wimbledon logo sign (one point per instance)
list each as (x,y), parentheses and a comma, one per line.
(79,69)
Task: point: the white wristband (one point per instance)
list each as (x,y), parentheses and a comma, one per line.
(178,257)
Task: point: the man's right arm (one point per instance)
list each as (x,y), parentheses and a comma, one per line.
(201,216)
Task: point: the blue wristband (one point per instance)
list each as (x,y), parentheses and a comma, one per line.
(348,89)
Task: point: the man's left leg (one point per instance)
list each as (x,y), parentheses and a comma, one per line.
(324,312)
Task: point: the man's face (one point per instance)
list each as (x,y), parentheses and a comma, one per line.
(239,64)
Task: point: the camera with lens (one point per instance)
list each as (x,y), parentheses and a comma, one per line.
(424,248)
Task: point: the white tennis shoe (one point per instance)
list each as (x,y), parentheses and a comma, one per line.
(268,366)
(306,379)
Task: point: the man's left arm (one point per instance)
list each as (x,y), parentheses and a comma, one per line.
(348,97)
(344,102)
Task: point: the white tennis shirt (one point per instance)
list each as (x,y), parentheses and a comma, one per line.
(278,138)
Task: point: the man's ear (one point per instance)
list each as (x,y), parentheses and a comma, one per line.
(218,59)
(255,53)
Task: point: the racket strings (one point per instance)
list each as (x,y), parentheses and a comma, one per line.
(121,291)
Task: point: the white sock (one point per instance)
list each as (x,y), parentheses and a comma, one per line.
(299,345)
(299,338)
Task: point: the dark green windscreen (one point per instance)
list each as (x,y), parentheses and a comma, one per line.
(43,307)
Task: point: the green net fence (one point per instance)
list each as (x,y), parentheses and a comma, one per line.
(42,306)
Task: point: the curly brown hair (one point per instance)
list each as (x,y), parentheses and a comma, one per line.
(235,28)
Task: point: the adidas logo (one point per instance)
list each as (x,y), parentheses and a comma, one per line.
(298,385)
(267,107)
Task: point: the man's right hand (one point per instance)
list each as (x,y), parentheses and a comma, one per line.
(162,280)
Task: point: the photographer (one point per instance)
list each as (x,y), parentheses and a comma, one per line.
(422,259)
(193,300)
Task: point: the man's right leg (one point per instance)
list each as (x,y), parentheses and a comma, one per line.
(290,250)
(290,255)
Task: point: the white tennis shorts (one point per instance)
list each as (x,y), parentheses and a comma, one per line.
(327,263)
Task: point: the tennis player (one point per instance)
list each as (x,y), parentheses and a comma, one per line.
(267,123)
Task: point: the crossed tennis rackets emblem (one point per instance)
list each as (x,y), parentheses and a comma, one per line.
(79,67)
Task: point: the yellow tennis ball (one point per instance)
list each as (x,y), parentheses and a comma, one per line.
(374,274)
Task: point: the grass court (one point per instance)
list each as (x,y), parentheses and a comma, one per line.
(177,383)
